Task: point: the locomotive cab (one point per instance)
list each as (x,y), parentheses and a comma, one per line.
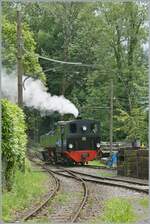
(82,140)
(76,141)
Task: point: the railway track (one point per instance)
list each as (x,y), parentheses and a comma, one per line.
(131,185)
(76,212)
(110,178)
(48,198)
(82,178)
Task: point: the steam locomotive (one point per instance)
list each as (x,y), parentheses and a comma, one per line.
(72,142)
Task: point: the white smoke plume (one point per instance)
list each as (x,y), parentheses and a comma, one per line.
(35,95)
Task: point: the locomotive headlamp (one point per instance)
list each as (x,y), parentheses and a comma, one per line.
(84,128)
(98,145)
(83,138)
(70,146)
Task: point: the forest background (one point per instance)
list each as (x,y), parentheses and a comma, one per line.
(110,36)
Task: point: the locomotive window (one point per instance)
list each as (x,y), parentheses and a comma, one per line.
(73,128)
(94,128)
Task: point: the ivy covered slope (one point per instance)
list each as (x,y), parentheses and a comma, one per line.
(14,141)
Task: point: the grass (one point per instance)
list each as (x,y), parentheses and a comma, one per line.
(118,210)
(144,202)
(96,163)
(42,220)
(63,198)
(60,199)
(105,174)
(27,188)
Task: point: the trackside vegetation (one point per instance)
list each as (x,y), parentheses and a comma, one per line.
(96,163)
(144,202)
(26,190)
(118,210)
(14,140)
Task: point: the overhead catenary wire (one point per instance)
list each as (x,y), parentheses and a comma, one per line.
(68,63)
(63,62)
(81,64)
(95,66)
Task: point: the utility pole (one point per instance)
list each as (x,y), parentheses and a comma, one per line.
(19,56)
(111,116)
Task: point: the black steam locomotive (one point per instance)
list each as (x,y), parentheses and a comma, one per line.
(72,142)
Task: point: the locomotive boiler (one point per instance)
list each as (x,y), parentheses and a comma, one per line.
(72,142)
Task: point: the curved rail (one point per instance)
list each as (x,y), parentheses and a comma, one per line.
(49,197)
(76,213)
(110,178)
(131,186)
(85,195)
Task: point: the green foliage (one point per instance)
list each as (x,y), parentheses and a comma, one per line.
(144,202)
(27,188)
(133,125)
(118,210)
(119,55)
(27,165)
(96,163)
(63,198)
(9,49)
(108,35)
(14,140)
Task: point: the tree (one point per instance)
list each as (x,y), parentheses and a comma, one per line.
(30,60)
(135,124)
(120,55)
(126,33)
(107,35)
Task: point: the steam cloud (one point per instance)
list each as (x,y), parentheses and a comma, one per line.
(35,95)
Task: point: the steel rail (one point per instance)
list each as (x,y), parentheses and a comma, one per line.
(110,183)
(76,214)
(85,195)
(49,197)
(110,178)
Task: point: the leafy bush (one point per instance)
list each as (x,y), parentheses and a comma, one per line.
(27,165)
(13,141)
